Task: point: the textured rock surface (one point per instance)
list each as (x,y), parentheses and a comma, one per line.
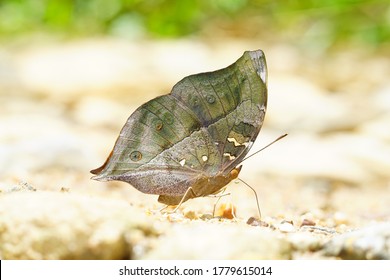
(200,240)
(47,225)
(370,243)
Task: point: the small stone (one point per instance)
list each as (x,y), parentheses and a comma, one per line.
(227,211)
(286,226)
(257,222)
(191,215)
(206,217)
(307,222)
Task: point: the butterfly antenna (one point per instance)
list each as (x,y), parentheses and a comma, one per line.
(276,140)
(257,199)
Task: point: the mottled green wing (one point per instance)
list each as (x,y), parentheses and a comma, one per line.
(230,103)
(204,127)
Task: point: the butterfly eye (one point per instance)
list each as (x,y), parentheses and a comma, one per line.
(135,156)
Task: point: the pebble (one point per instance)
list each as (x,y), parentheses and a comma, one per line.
(191,215)
(257,222)
(307,222)
(227,211)
(206,217)
(286,227)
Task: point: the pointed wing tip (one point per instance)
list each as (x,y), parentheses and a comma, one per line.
(258,52)
(99,176)
(96,171)
(258,57)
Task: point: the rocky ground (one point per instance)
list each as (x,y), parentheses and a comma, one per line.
(324,191)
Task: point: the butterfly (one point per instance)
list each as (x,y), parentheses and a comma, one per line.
(190,143)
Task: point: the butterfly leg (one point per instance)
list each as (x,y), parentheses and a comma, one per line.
(188,194)
(162,208)
(257,199)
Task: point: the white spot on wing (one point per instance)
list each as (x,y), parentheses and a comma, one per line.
(236,143)
(182,162)
(230,156)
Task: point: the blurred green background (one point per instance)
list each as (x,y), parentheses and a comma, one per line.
(321,24)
